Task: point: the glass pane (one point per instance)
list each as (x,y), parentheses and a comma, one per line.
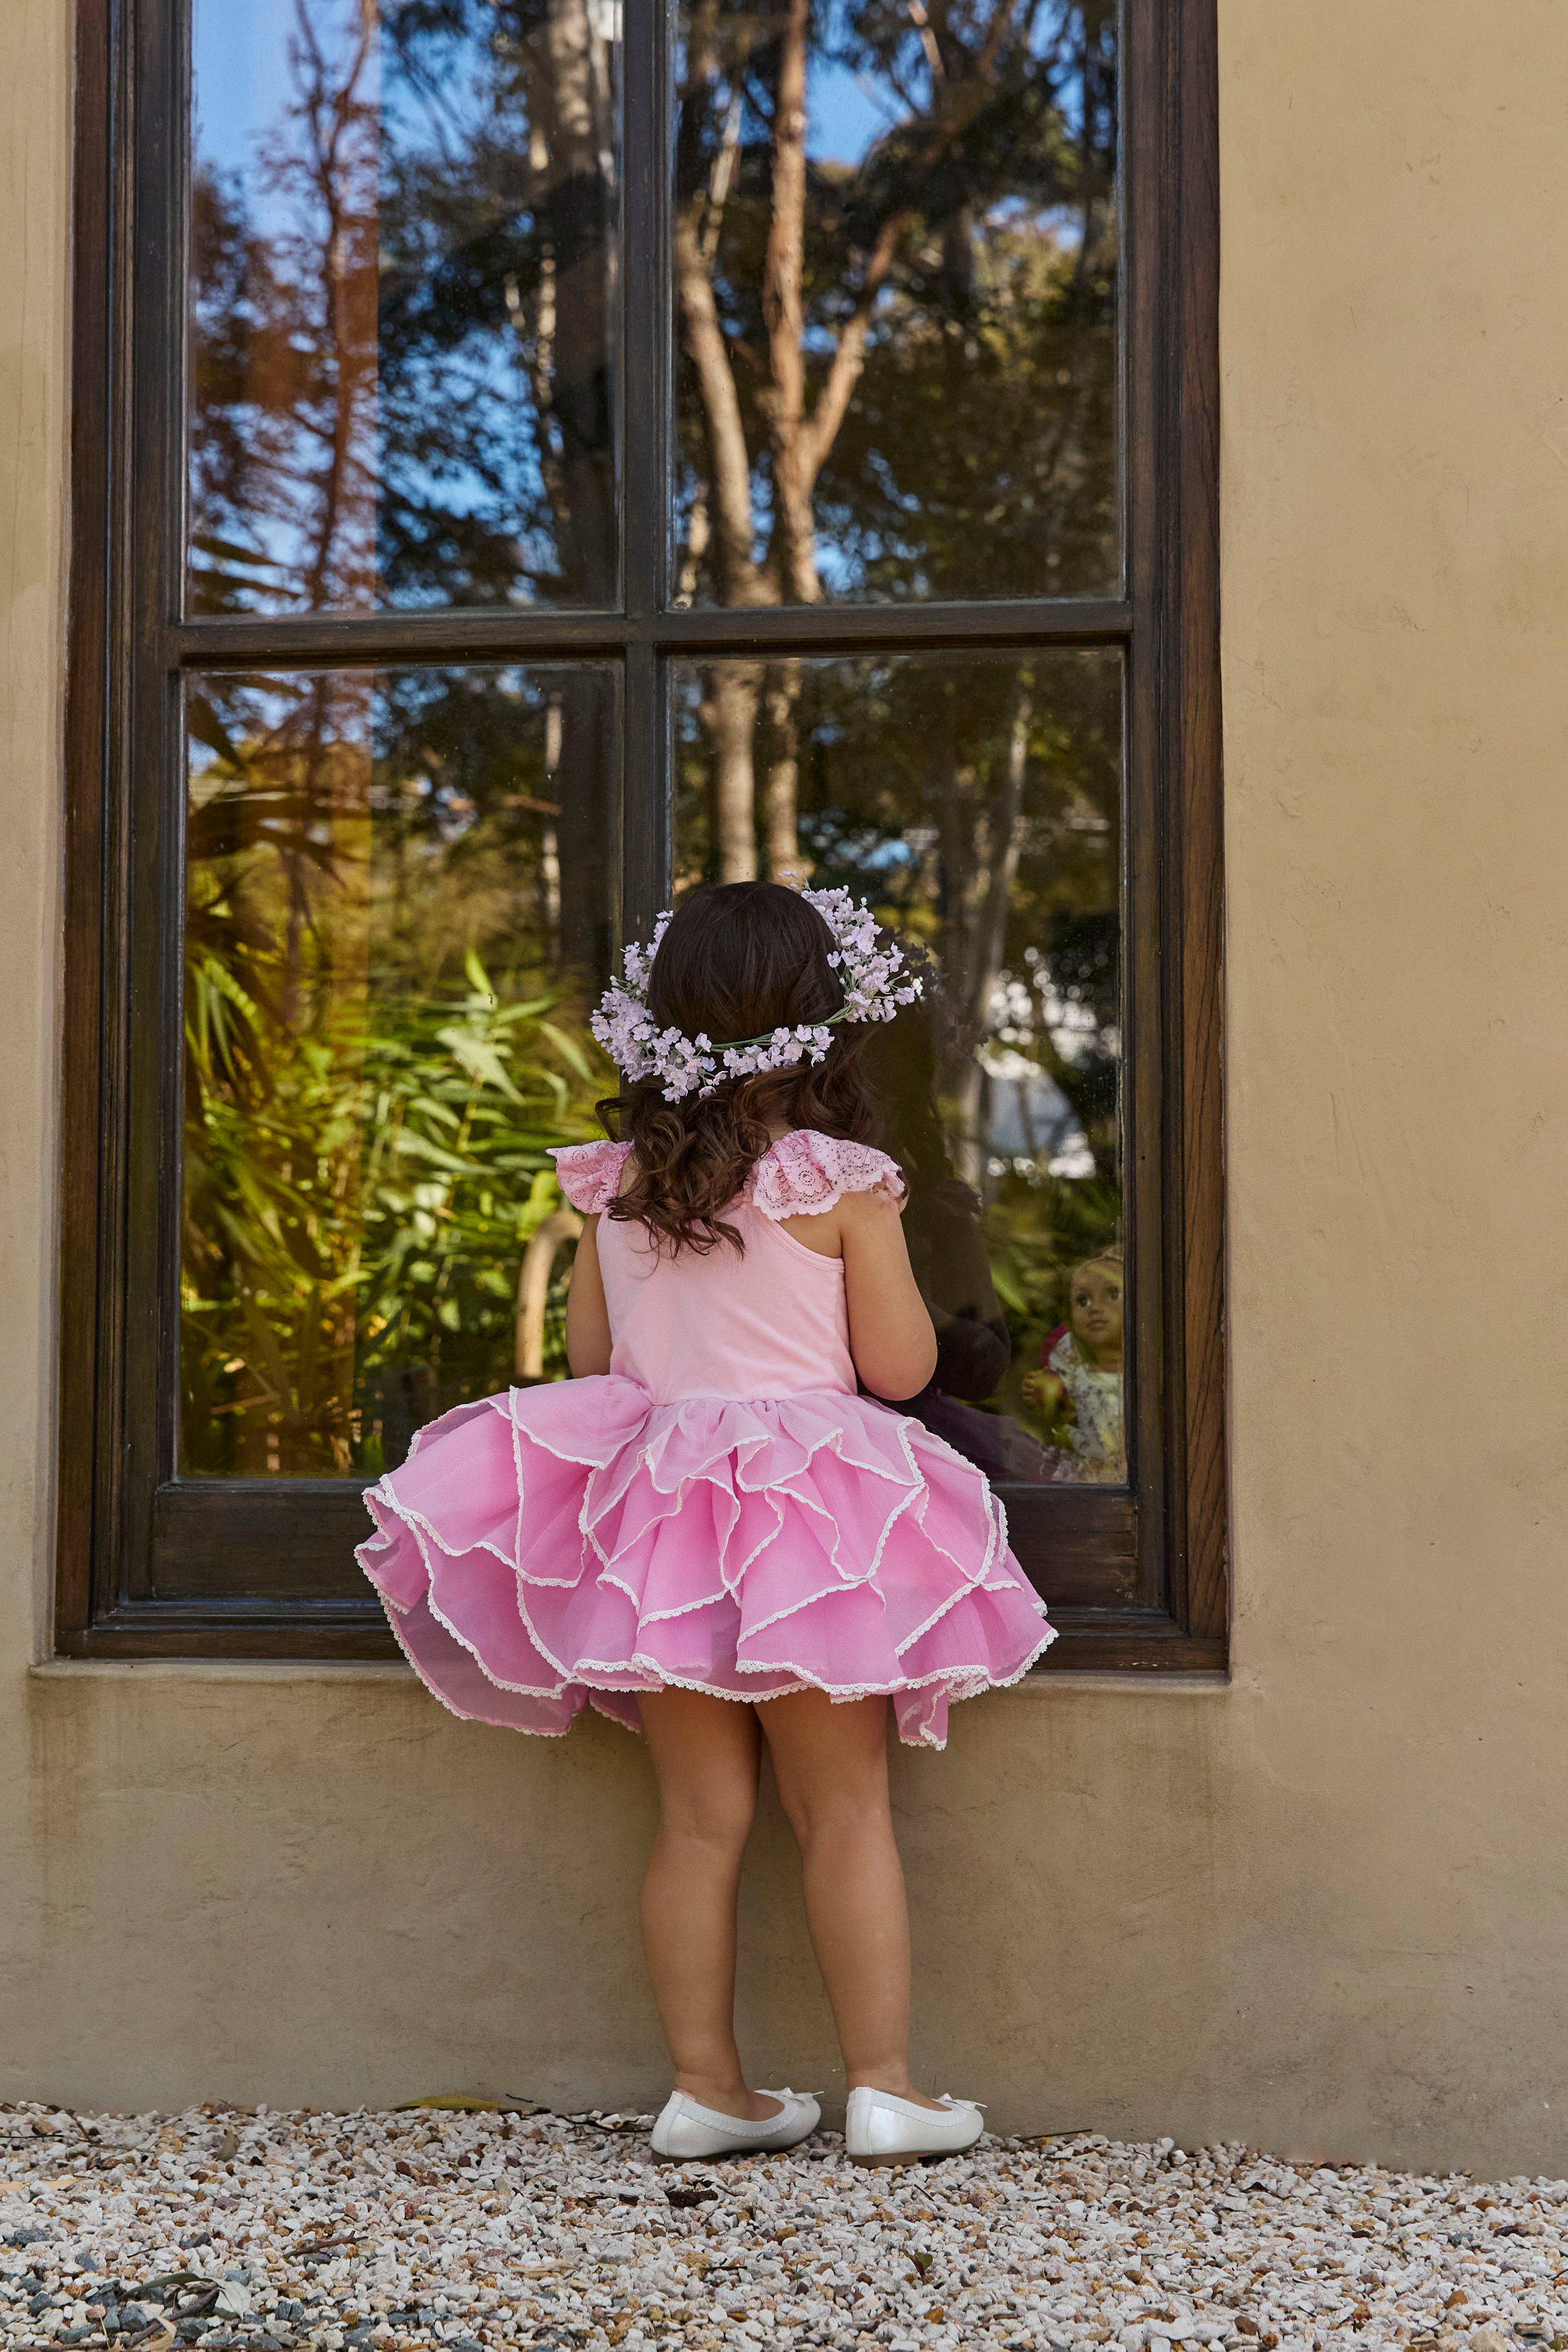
(977,801)
(397,894)
(404,254)
(896,265)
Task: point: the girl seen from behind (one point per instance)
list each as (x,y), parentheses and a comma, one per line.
(721,1531)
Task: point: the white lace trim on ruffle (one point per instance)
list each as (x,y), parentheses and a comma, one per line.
(954,1684)
(913,1498)
(640,1671)
(974,1677)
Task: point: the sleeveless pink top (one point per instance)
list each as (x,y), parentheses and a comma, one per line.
(771,1323)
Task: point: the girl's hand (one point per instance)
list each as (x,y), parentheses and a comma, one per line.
(1045,1391)
(587,1317)
(890,1335)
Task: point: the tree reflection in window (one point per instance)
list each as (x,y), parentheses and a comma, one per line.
(404,275)
(976,800)
(896,265)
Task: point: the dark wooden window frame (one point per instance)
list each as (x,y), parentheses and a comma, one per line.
(217,1544)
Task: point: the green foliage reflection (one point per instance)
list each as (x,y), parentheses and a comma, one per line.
(383,1039)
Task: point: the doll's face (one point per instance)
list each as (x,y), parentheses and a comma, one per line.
(1097,1309)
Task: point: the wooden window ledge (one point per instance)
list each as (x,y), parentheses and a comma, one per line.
(394,1670)
(223,1670)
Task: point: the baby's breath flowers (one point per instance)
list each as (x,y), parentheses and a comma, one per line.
(869,965)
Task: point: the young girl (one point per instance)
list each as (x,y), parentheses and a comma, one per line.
(1078,1386)
(715,1531)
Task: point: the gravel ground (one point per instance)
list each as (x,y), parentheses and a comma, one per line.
(226,2227)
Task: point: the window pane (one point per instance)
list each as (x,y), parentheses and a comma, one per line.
(895,250)
(403,293)
(396,896)
(976,802)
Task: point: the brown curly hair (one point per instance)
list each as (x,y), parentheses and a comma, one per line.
(739,959)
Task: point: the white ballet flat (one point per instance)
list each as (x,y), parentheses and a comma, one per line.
(684,2130)
(881,2129)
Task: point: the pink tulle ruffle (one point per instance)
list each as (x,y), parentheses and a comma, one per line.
(575,1541)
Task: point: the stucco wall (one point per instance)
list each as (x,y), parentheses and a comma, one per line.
(1323,1908)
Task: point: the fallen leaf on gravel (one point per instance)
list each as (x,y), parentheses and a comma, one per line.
(156,2337)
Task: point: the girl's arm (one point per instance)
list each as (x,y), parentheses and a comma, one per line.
(587,1317)
(890,1335)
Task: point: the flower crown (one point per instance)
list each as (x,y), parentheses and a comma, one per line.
(641,1050)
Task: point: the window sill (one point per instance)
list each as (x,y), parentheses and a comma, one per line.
(224,1670)
(393,1670)
(1107,1678)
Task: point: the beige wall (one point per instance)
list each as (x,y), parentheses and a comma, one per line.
(1325,1906)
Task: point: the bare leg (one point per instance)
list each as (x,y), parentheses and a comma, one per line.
(706,1752)
(831,1765)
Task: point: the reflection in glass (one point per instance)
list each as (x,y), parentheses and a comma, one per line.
(402,289)
(895,259)
(977,801)
(396,899)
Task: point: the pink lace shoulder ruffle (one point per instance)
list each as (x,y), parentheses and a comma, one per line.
(804,1174)
(590,1173)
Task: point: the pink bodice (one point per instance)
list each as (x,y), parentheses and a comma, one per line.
(771,1323)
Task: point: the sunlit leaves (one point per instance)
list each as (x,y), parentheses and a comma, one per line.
(393,911)
(372,1207)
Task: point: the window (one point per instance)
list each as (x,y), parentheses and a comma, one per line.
(524,467)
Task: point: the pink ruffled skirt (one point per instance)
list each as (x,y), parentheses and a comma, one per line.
(577,1541)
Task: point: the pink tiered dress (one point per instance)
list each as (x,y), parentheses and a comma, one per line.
(719,1510)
